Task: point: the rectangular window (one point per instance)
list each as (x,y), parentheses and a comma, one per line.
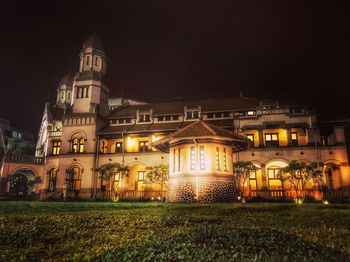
(251,113)
(253,181)
(119,147)
(250,137)
(271,139)
(56,145)
(224,158)
(274,181)
(218,159)
(192,115)
(87,92)
(174,160)
(178,159)
(202,157)
(294,138)
(193,158)
(143,146)
(141,176)
(273,173)
(96,61)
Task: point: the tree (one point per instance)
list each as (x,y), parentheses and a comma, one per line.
(21,147)
(109,170)
(299,174)
(242,171)
(159,174)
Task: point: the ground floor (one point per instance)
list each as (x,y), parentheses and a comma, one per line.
(76,176)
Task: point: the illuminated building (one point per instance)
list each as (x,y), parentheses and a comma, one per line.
(198,139)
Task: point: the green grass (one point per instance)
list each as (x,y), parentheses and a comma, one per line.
(173,232)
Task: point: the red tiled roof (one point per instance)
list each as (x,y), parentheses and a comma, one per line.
(200,129)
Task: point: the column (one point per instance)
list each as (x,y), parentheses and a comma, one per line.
(289,137)
(263,176)
(261,138)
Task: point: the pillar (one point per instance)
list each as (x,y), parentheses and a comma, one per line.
(289,137)
(261,138)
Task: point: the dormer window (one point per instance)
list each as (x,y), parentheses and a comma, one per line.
(144,118)
(193,114)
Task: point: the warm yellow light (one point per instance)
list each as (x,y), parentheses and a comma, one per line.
(298,201)
(156,138)
(131,144)
(325,202)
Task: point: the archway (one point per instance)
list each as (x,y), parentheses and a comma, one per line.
(22,183)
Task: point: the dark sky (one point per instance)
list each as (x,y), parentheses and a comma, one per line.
(277,49)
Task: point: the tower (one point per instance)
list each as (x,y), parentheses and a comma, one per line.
(90,95)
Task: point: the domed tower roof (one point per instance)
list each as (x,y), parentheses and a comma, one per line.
(67,80)
(93,41)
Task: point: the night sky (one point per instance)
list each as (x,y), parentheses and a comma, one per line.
(288,50)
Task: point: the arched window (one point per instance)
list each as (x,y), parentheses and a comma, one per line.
(81,145)
(87,60)
(74,179)
(52,178)
(78,145)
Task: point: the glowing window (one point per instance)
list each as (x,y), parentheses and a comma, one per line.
(78,145)
(218,159)
(174,160)
(224,158)
(141,176)
(119,147)
(294,138)
(178,159)
(81,145)
(143,146)
(202,157)
(193,158)
(250,137)
(251,113)
(271,139)
(56,145)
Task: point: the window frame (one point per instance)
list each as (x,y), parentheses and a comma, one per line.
(272,142)
(56,147)
(74,182)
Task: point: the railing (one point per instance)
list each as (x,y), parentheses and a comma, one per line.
(25,159)
(143,194)
(315,193)
(55,133)
(296,147)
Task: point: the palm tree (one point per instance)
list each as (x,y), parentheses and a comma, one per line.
(242,171)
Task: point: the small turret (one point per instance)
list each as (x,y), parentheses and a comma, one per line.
(92,56)
(64,91)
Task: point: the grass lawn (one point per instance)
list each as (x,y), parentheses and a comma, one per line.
(162,232)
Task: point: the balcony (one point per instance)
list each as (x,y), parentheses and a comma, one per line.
(55,134)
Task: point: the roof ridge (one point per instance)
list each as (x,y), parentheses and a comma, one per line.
(209,128)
